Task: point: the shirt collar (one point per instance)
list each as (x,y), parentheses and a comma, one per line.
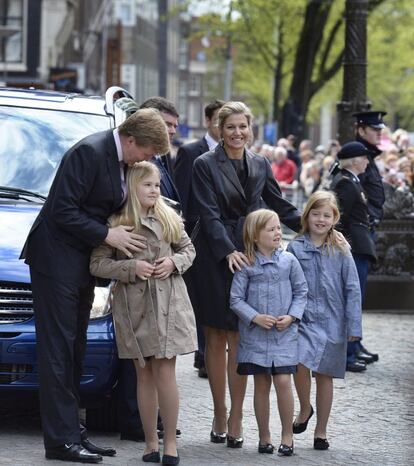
(118,145)
(212,143)
(261,259)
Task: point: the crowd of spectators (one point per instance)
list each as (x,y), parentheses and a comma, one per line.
(306,168)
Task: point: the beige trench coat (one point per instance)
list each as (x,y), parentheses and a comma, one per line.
(152,317)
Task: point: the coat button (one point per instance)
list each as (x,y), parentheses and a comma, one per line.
(159,289)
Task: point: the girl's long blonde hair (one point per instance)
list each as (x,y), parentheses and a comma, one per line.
(334,240)
(255,222)
(130,213)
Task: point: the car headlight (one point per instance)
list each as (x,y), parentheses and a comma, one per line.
(102,301)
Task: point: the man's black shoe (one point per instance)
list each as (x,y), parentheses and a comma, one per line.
(374,356)
(357,366)
(72,452)
(133,436)
(103,451)
(365,357)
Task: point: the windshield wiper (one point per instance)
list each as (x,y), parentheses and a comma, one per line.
(16,192)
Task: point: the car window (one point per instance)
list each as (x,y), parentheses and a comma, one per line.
(33,142)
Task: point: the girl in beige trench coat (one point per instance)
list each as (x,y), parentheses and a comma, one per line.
(152,313)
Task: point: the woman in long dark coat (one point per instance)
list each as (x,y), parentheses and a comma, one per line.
(228,184)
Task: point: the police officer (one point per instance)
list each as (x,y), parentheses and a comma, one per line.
(368,132)
(355,225)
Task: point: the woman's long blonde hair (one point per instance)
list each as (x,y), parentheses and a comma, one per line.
(334,240)
(255,222)
(130,213)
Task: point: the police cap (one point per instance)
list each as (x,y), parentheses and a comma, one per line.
(351,150)
(372,119)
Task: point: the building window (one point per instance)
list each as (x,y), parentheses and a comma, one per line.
(194,109)
(194,85)
(12,32)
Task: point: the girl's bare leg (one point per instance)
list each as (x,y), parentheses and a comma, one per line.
(283,386)
(262,384)
(302,380)
(324,397)
(166,384)
(147,404)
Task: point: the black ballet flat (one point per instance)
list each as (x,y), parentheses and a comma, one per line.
(234,442)
(170,460)
(320,443)
(285,450)
(218,437)
(266,448)
(301,427)
(152,457)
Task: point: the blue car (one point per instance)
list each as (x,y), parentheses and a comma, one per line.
(36,129)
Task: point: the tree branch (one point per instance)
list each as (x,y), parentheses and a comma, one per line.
(328,46)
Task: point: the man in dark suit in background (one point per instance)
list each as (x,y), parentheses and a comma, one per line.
(88,187)
(164,162)
(183,178)
(185,159)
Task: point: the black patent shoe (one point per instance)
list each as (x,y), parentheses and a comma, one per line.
(103,451)
(218,437)
(234,442)
(365,357)
(374,356)
(320,443)
(170,460)
(302,426)
(152,457)
(357,366)
(72,452)
(266,448)
(285,450)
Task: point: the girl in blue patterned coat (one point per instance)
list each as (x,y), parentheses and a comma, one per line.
(333,311)
(269,297)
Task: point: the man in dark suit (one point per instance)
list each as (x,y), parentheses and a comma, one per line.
(353,160)
(185,159)
(183,178)
(88,187)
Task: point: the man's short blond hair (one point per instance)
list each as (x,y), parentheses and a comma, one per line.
(148,129)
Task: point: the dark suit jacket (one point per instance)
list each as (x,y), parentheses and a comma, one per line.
(167,186)
(85,192)
(354,213)
(183,173)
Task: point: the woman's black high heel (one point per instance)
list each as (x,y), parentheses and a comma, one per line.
(234,442)
(217,437)
(152,457)
(301,427)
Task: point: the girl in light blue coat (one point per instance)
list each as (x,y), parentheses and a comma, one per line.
(269,297)
(333,311)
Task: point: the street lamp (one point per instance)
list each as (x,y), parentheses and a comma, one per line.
(354,93)
(5,33)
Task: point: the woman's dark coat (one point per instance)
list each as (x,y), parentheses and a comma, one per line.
(223,204)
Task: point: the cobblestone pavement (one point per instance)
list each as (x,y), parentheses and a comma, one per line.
(372,422)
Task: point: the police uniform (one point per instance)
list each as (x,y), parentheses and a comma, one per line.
(371,179)
(354,224)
